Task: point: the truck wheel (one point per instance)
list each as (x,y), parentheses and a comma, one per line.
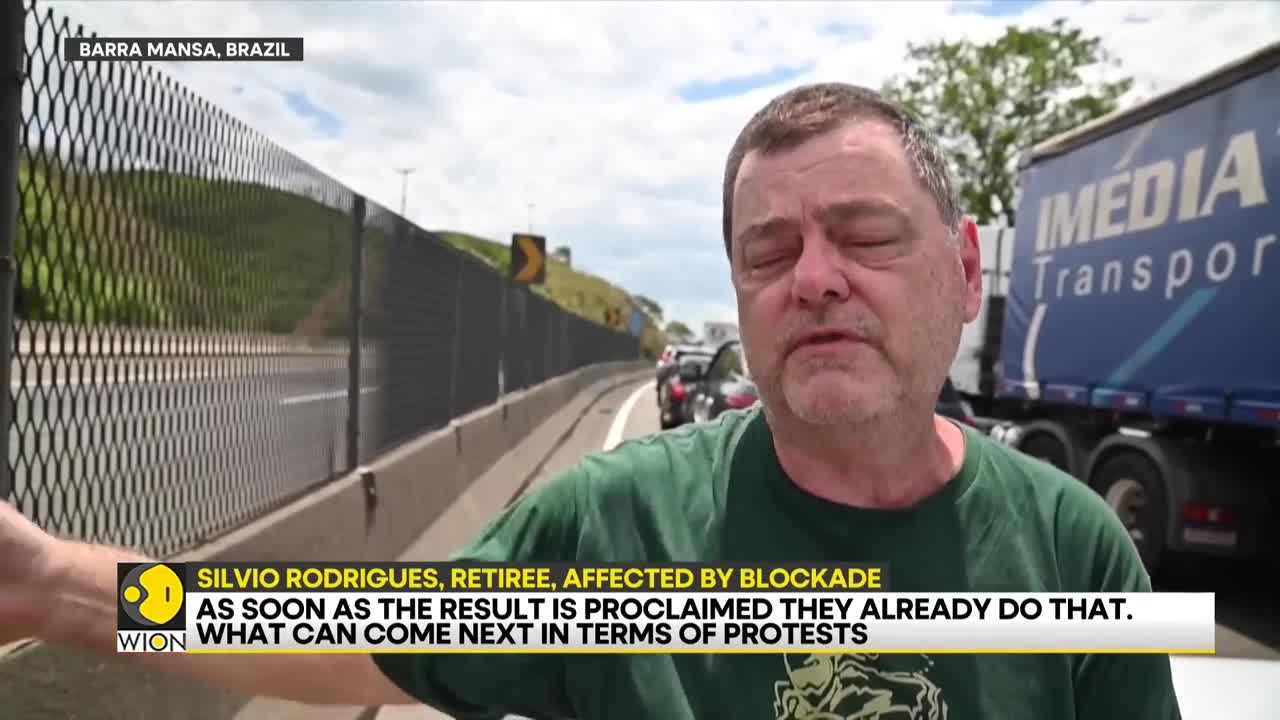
(1046,447)
(1134,489)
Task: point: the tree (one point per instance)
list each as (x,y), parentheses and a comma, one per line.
(563,254)
(988,102)
(678,331)
(650,306)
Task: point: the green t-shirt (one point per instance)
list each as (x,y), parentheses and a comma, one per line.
(716,493)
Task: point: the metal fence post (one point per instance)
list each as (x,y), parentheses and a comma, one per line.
(357,333)
(11,57)
(503,309)
(456,357)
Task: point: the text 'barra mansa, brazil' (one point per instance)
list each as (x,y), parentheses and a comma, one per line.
(213,49)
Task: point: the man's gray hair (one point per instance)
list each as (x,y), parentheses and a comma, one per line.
(804,112)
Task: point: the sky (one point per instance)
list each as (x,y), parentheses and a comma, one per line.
(612,120)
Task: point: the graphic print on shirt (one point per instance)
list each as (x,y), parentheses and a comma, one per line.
(851,687)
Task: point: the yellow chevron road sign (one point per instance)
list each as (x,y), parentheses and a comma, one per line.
(528,259)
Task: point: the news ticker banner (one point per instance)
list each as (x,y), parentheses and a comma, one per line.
(202,49)
(444,607)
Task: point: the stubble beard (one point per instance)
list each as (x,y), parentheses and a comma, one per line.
(847,391)
(828,392)
(866,388)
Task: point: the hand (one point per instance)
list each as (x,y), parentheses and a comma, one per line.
(26,559)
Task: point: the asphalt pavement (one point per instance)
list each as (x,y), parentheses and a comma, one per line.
(622,413)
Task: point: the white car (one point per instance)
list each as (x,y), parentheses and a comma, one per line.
(1226,688)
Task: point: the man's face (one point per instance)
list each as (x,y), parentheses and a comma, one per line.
(851,294)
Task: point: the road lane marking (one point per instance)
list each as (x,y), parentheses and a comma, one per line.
(316,397)
(620,420)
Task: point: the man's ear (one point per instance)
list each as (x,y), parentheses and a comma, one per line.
(971,260)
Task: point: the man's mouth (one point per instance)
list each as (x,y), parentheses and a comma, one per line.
(822,337)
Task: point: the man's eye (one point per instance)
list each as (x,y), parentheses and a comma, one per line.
(869,239)
(874,246)
(767,261)
(769,254)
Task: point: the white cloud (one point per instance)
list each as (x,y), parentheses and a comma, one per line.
(576,107)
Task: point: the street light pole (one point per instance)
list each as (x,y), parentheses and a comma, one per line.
(404,187)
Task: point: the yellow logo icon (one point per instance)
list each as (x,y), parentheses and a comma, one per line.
(151,594)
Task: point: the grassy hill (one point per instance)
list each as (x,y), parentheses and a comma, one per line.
(157,249)
(578,292)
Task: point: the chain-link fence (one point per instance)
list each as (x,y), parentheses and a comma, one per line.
(197,312)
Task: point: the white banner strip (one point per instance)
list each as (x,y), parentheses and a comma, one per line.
(701,622)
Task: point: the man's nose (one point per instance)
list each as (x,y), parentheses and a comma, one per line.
(819,274)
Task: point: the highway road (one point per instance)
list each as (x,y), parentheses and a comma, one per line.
(1242,682)
(156,449)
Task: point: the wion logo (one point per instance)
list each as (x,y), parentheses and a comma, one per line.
(150,606)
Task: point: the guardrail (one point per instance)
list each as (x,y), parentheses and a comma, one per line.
(204,326)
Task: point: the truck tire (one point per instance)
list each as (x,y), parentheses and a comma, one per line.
(1134,489)
(1048,448)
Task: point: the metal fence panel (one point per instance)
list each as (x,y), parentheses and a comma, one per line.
(515,361)
(411,316)
(478,337)
(560,341)
(178,361)
(536,341)
(183,348)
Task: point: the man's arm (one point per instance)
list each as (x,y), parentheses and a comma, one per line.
(64,593)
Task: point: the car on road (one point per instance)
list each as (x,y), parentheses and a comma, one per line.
(669,361)
(674,391)
(725,384)
(671,355)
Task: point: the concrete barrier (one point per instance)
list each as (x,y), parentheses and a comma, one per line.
(373,514)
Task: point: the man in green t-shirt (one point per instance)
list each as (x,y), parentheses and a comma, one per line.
(854,275)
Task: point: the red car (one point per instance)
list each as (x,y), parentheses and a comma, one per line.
(673,389)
